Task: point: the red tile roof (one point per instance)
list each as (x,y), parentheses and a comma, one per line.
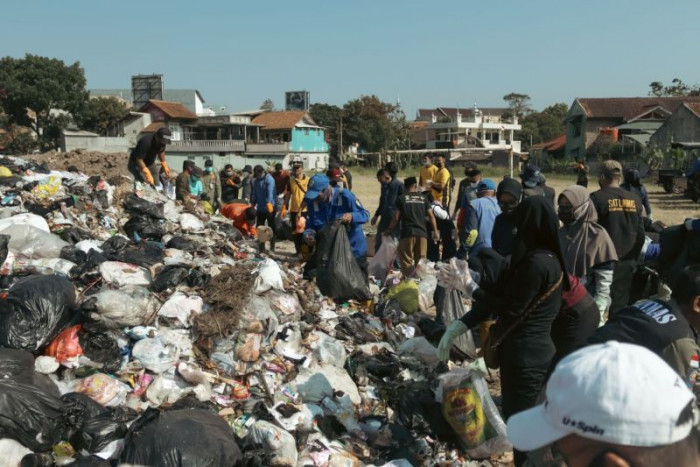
(282,120)
(627,108)
(693,107)
(555,144)
(171,109)
(153,127)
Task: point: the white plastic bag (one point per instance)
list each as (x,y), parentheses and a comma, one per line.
(86,245)
(181,307)
(126,307)
(423,350)
(470,411)
(32,242)
(426,288)
(383,260)
(154,355)
(328,349)
(275,440)
(317,382)
(26,219)
(190,223)
(123,274)
(269,277)
(12,452)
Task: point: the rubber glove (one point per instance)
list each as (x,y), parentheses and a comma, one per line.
(455,275)
(147,176)
(270,208)
(453,331)
(166,169)
(283,213)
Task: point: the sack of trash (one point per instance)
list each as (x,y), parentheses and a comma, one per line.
(383,259)
(339,276)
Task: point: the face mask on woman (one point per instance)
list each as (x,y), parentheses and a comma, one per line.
(566,215)
(209,170)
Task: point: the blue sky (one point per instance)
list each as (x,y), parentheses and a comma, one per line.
(428,53)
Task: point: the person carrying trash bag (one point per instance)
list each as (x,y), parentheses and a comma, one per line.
(326,204)
(519,343)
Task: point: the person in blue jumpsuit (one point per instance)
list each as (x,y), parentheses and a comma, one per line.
(479,218)
(325,204)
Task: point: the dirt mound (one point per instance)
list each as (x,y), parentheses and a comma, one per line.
(88,162)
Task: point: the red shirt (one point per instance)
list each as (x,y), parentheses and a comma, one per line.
(281,181)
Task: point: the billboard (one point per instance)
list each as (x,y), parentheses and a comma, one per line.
(145,87)
(296,100)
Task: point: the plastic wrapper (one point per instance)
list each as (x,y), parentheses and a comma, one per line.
(103,389)
(383,259)
(178,438)
(154,355)
(126,307)
(470,411)
(328,349)
(276,440)
(269,277)
(66,345)
(181,307)
(190,223)
(135,205)
(31,242)
(35,311)
(426,288)
(169,277)
(423,350)
(25,219)
(123,274)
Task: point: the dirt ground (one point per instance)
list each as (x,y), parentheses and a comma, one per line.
(88,162)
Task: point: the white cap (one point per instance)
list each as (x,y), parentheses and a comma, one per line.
(614,393)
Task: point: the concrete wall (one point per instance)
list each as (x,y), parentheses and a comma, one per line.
(95,143)
(308,140)
(311,161)
(682,126)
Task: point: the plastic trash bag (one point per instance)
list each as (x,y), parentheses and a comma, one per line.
(121,249)
(169,277)
(144,227)
(339,276)
(66,345)
(406,293)
(269,277)
(181,243)
(100,347)
(190,223)
(423,350)
(317,382)
(472,414)
(103,389)
(452,309)
(32,242)
(276,440)
(154,355)
(181,307)
(191,437)
(35,311)
(127,307)
(135,205)
(123,274)
(12,452)
(26,219)
(383,259)
(427,287)
(328,349)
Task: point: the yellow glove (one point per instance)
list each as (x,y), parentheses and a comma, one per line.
(166,169)
(471,238)
(147,175)
(270,208)
(284,211)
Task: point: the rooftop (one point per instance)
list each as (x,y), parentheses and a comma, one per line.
(172,109)
(284,120)
(628,108)
(555,144)
(466,112)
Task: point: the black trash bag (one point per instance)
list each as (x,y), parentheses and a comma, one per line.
(101,348)
(100,430)
(73,255)
(18,365)
(136,206)
(114,246)
(4,249)
(77,409)
(182,243)
(36,310)
(169,277)
(143,254)
(74,235)
(145,227)
(352,328)
(339,276)
(94,259)
(89,461)
(190,437)
(389,310)
(29,414)
(197,278)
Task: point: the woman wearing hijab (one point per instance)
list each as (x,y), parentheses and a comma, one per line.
(589,253)
(527,301)
(503,235)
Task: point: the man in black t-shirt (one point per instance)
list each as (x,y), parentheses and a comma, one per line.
(143,156)
(620,213)
(411,210)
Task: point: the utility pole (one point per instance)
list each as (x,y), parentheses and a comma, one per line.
(340,138)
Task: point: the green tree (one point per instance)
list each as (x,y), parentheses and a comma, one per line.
(267,105)
(677,88)
(519,104)
(367,121)
(100,114)
(328,116)
(42,85)
(545,125)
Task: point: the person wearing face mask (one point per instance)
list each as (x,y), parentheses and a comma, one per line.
(212,185)
(589,252)
(263,199)
(247,183)
(440,186)
(230,184)
(503,236)
(326,204)
(182,183)
(467,187)
(427,172)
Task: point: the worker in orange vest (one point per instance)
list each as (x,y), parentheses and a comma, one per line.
(243,216)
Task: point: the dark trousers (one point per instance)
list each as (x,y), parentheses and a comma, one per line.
(573,326)
(621,284)
(520,389)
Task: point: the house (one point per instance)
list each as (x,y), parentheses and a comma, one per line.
(555,148)
(190,98)
(630,119)
(289,136)
(682,126)
(482,129)
(174,114)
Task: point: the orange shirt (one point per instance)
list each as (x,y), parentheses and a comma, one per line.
(236,212)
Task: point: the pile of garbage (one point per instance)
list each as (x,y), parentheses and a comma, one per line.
(134,332)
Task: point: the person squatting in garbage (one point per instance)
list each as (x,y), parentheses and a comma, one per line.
(525,306)
(667,328)
(615,405)
(412,209)
(589,252)
(243,216)
(143,157)
(263,199)
(326,204)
